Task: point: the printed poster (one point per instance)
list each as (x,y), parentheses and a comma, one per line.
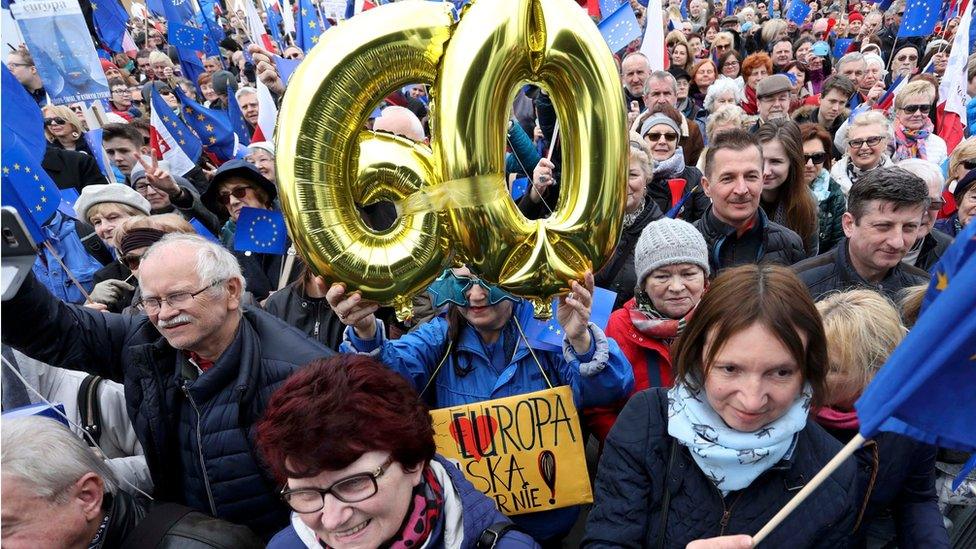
(526,452)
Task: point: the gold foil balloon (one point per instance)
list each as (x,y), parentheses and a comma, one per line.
(327,164)
(497,46)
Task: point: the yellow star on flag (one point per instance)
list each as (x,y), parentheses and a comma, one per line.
(213,140)
(209,128)
(942,281)
(201,117)
(311,24)
(166,119)
(16,167)
(27,169)
(6,170)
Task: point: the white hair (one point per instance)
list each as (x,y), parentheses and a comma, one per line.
(722,86)
(868,118)
(213,262)
(929,171)
(49,458)
(875,59)
(853,57)
(244,90)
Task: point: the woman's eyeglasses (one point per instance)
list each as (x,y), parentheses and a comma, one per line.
(348,490)
(912,109)
(238,193)
(56,120)
(816,158)
(869,141)
(654,137)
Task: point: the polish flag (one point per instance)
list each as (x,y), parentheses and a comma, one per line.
(653,44)
(953,90)
(255,27)
(166,148)
(129,45)
(288,17)
(267,115)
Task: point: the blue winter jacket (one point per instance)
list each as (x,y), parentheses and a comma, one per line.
(62,235)
(200,452)
(478,511)
(467,376)
(628,495)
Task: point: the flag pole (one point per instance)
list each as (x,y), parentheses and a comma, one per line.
(67,271)
(814,483)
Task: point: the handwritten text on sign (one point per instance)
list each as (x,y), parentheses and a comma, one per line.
(525,452)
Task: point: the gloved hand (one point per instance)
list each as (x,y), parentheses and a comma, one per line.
(109,291)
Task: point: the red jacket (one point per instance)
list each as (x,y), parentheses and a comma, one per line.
(635,347)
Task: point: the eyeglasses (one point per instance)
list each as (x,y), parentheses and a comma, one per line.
(670,137)
(936,204)
(869,141)
(816,158)
(969,164)
(237,192)
(152,305)
(132,261)
(351,489)
(122,91)
(56,120)
(19,65)
(911,109)
(903,58)
(165,92)
(295,55)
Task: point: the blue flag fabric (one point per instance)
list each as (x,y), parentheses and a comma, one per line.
(211,126)
(203,231)
(184,136)
(731,6)
(261,231)
(68,198)
(17,104)
(185,37)
(548,335)
(840,47)
(925,389)
(519,187)
(213,33)
(620,28)
(683,8)
(308,26)
(607,7)
(798,12)
(950,264)
(94,140)
(920,18)
(236,118)
(286,67)
(110,19)
(274,22)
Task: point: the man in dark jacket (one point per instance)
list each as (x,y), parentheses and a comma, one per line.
(735,228)
(80,503)
(884,213)
(198,370)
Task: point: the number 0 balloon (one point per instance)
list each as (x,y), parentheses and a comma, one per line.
(453,197)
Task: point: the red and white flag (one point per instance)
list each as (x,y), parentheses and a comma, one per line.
(953,90)
(267,115)
(165,147)
(255,27)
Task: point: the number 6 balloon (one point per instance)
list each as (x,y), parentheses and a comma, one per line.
(327,165)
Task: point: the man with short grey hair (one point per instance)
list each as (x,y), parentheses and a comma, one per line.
(853,66)
(662,88)
(58,493)
(198,369)
(634,70)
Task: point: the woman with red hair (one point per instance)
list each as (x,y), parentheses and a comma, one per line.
(354,447)
(754,68)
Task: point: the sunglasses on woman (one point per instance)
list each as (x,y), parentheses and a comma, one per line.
(237,192)
(56,120)
(912,109)
(816,158)
(656,136)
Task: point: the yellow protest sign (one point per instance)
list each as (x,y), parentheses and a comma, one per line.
(525,452)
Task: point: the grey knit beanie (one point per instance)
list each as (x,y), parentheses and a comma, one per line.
(668,242)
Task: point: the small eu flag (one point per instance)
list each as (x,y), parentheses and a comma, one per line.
(798,12)
(620,28)
(920,18)
(236,118)
(211,126)
(261,231)
(185,36)
(548,335)
(203,231)
(841,46)
(607,7)
(519,187)
(110,19)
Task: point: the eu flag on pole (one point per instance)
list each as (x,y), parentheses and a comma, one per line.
(548,335)
(19,106)
(798,12)
(620,28)
(307,26)
(925,390)
(261,231)
(840,47)
(920,18)
(211,126)
(110,19)
(273,13)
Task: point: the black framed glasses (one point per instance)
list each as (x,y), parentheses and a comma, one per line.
(869,141)
(122,91)
(237,192)
(152,305)
(936,204)
(56,120)
(351,489)
(911,109)
(816,158)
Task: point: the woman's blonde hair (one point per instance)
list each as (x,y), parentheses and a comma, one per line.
(160,57)
(862,328)
(62,111)
(639,150)
(915,88)
(105,208)
(910,301)
(966,150)
(727,114)
(771,28)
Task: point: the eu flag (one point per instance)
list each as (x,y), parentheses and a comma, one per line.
(214,34)
(607,7)
(548,335)
(919,19)
(519,187)
(307,26)
(236,118)
(261,231)
(926,388)
(110,19)
(273,14)
(211,126)
(798,12)
(185,36)
(841,46)
(620,28)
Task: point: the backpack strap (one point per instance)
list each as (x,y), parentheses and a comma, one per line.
(151,530)
(490,537)
(93,245)
(90,408)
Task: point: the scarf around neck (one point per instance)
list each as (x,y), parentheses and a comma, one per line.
(820,186)
(648,321)
(911,144)
(672,166)
(732,459)
(854,173)
(833,418)
(423,515)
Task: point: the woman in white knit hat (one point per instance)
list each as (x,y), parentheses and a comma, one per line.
(671,261)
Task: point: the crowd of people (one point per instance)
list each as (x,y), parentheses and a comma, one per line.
(784,210)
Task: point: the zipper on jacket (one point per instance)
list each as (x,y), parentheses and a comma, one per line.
(726,510)
(203,466)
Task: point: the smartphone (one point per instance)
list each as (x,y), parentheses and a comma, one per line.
(18,251)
